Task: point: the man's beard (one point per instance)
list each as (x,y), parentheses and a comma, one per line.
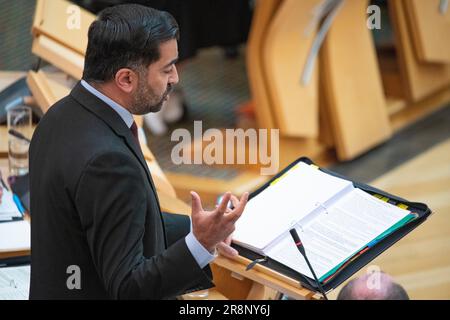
(145,100)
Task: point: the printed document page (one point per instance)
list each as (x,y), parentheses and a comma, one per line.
(338,233)
(296,194)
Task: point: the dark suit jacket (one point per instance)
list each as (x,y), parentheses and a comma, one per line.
(94,206)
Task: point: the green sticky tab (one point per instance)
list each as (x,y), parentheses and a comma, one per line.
(275,181)
(396,226)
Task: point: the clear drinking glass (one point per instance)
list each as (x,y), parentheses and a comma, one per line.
(19,135)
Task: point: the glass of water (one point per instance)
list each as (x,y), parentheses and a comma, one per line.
(19,135)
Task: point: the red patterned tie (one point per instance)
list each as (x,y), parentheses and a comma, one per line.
(134,131)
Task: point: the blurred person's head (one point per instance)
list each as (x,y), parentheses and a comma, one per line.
(131,56)
(373,286)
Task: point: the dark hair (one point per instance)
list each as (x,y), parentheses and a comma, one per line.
(393,292)
(126,36)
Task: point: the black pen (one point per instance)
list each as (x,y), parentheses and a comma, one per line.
(18,135)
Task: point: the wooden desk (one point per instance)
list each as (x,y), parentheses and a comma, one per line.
(10,254)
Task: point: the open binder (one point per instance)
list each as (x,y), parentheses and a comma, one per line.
(408,214)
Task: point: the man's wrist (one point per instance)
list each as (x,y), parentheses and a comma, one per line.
(200,253)
(204,244)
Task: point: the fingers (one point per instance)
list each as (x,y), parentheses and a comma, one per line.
(234,201)
(196,203)
(237,212)
(227,250)
(243,201)
(227,241)
(228,209)
(222,208)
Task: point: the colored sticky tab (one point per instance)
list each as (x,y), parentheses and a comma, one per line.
(18,204)
(275,181)
(283,175)
(314,166)
(402,206)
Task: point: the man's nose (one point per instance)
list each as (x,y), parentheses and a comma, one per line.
(174,77)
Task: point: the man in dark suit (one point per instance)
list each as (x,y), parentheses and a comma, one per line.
(97,231)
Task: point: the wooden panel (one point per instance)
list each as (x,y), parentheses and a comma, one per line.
(232,287)
(325,122)
(262,16)
(45,91)
(390,73)
(61,57)
(353,84)
(56,20)
(420,79)
(420,110)
(264,276)
(294,105)
(429,28)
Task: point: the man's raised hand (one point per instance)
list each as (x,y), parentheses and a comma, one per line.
(215,226)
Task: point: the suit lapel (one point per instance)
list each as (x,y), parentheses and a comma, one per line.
(114,121)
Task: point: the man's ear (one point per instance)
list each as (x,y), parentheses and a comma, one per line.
(126,80)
